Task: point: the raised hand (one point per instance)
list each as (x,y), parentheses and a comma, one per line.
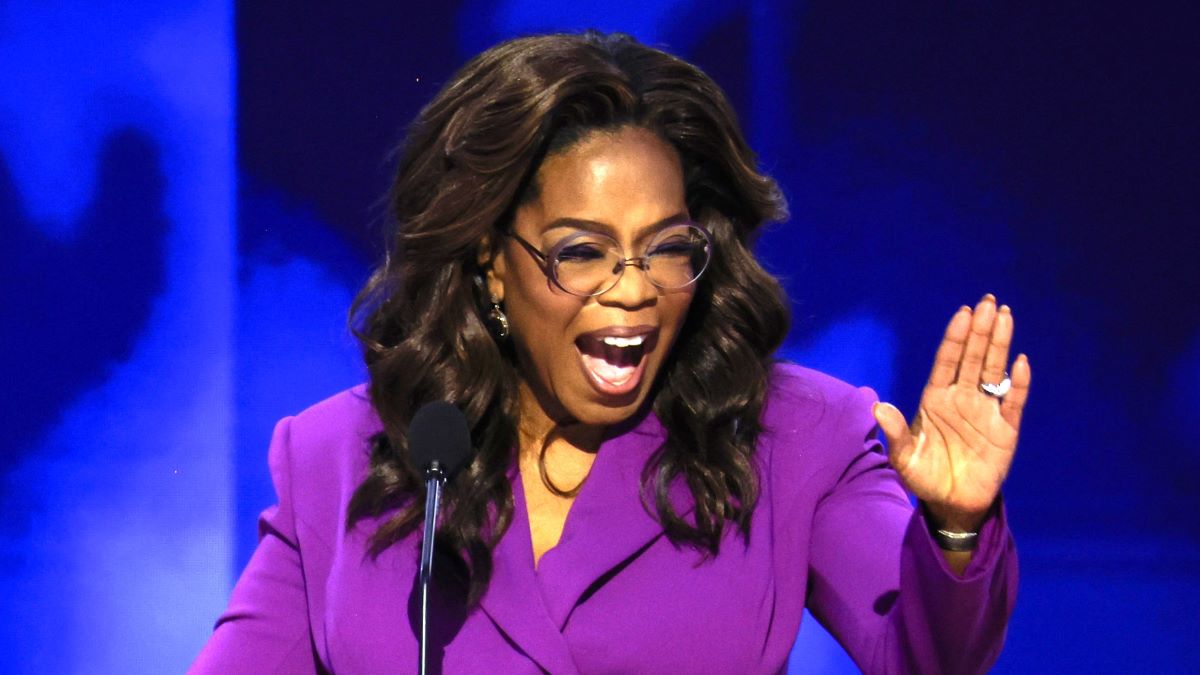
(959,448)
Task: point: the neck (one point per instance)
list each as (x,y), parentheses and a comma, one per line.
(536,424)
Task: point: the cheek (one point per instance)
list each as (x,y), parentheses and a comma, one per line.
(539,326)
(540,316)
(678,305)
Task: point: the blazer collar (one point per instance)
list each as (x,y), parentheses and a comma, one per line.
(608,524)
(512,599)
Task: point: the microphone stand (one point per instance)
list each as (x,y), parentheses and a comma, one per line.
(435,478)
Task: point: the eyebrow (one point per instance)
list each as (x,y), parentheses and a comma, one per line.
(597,226)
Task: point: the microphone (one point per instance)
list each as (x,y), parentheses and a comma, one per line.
(440,442)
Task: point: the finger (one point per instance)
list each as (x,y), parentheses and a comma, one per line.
(1014,402)
(945,362)
(901,445)
(996,360)
(977,341)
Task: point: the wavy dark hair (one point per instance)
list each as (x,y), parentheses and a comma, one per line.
(468,160)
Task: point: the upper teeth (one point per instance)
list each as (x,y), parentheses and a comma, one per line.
(625,342)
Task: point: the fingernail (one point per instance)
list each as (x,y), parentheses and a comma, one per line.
(988,297)
(1005,308)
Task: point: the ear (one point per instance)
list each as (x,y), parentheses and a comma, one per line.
(492,261)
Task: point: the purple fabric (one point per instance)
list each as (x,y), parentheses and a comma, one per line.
(833,530)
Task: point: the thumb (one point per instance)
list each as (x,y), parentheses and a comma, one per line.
(895,429)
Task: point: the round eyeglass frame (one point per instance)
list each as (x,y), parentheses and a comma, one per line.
(548,262)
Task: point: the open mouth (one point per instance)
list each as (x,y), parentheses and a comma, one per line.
(614,364)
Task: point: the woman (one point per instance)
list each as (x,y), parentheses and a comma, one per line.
(650,491)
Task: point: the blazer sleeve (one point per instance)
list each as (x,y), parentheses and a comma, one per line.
(265,629)
(878,581)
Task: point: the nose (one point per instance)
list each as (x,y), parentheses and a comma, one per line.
(633,287)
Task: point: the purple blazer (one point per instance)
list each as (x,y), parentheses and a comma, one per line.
(833,531)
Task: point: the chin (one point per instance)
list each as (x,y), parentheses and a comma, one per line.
(597,414)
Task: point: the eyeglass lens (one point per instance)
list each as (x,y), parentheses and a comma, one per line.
(590,263)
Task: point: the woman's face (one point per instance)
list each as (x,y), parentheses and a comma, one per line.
(593,360)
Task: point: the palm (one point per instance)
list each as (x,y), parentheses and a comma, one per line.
(960,445)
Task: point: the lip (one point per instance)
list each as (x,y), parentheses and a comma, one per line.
(619,331)
(635,379)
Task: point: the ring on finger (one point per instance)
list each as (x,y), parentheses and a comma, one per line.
(997,390)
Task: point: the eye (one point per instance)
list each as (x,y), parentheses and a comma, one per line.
(676,246)
(583,252)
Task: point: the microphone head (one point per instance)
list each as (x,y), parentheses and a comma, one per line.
(439,433)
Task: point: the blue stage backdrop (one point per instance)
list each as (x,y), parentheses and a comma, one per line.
(188,201)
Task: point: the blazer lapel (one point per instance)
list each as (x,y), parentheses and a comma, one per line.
(608,523)
(513,601)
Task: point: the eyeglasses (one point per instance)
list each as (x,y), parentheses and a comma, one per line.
(587,264)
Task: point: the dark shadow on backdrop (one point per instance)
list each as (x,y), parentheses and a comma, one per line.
(75,306)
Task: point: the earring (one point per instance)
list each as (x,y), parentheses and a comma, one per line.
(498,321)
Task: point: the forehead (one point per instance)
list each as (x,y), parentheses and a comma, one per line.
(626,178)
